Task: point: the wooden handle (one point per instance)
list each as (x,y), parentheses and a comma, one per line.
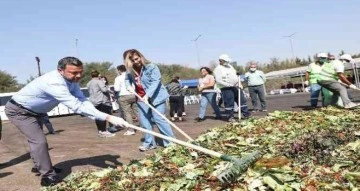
(166,119)
(183,143)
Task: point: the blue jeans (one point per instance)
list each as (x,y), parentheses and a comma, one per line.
(228,98)
(207,97)
(146,116)
(256,93)
(314,94)
(243,105)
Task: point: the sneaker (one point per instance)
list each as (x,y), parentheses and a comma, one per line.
(263,110)
(184,114)
(351,105)
(53,133)
(198,119)
(232,120)
(172,119)
(37,172)
(113,129)
(255,111)
(49,181)
(105,134)
(129,132)
(143,148)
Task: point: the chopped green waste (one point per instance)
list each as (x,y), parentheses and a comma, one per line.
(308,150)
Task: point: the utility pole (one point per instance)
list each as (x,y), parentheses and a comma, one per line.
(38,64)
(76,46)
(197,50)
(291,45)
(293,55)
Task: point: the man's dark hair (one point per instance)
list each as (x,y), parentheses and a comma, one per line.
(177,77)
(69,60)
(94,74)
(121,68)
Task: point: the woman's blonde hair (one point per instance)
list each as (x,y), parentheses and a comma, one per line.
(129,54)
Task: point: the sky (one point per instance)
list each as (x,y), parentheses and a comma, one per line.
(164,31)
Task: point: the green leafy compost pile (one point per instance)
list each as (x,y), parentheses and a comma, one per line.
(310,150)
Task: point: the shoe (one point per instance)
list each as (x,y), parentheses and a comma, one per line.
(263,110)
(218,118)
(113,129)
(232,120)
(143,148)
(129,132)
(351,105)
(198,119)
(53,133)
(36,170)
(49,181)
(105,134)
(184,114)
(255,111)
(172,119)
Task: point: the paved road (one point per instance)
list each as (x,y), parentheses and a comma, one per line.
(77,147)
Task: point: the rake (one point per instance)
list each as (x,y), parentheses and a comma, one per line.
(230,174)
(166,119)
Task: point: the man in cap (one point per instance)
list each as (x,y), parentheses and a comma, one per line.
(228,82)
(27,108)
(329,75)
(311,74)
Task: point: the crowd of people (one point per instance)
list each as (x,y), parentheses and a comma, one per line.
(142,98)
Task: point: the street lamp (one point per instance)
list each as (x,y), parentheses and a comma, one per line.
(196,46)
(38,64)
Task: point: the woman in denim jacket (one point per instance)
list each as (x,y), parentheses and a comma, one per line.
(147,79)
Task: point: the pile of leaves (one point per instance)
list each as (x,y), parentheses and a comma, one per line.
(310,150)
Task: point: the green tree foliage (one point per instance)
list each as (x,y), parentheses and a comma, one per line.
(104,68)
(169,72)
(8,83)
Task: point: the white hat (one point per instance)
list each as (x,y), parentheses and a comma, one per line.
(322,55)
(225,57)
(346,57)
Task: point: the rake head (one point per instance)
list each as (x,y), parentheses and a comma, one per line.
(239,166)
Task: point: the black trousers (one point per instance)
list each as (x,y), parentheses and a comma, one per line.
(101,125)
(175,106)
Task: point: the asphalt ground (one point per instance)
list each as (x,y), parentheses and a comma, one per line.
(78,148)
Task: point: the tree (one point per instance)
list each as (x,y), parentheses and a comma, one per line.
(8,83)
(104,68)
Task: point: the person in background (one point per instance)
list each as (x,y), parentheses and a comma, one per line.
(126,100)
(48,125)
(182,96)
(208,94)
(256,80)
(99,95)
(228,82)
(311,76)
(329,75)
(112,128)
(147,79)
(28,106)
(174,89)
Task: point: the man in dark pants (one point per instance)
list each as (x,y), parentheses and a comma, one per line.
(27,108)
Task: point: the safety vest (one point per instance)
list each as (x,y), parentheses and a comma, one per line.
(328,72)
(314,71)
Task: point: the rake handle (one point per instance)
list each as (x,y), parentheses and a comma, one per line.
(166,119)
(180,142)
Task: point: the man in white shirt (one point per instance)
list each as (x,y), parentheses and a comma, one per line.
(126,99)
(27,108)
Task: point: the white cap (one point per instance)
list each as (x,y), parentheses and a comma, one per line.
(346,57)
(322,55)
(225,57)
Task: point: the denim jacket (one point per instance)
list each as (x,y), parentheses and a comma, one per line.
(150,79)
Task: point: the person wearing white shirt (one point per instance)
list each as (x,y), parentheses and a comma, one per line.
(28,106)
(126,99)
